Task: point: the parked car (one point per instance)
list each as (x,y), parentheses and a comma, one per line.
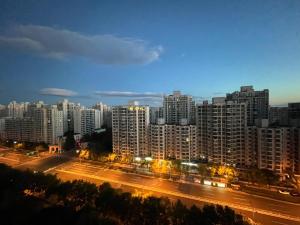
(284,192)
(295,193)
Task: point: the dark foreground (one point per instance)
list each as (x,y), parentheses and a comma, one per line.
(35,198)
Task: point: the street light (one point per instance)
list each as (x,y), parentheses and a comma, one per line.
(149,159)
(138,159)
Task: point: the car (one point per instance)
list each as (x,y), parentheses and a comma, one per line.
(235,186)
(295,193)
(196,180)
(284,192)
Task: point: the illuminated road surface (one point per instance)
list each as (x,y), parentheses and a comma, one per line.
(264,210)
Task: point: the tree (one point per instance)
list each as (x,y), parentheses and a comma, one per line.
(176,166)
(77,202)
(202,170)
(111,157)
(70,141)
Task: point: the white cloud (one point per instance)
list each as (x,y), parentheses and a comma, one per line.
(58,92)
(62,43)
(129,94)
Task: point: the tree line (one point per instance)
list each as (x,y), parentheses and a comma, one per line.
(37,198)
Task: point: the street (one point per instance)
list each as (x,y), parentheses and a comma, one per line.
(264,210)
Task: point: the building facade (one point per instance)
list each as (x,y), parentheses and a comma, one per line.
(177,107)
(130,126)
(257,103)
(277,148)
(173,141)
(221,131)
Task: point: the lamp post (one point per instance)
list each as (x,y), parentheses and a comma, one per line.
(15,142)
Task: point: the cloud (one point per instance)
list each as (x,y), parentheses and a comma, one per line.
(63,44)
(218,93)
(129,94)
(58,92)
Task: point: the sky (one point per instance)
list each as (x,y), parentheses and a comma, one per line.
(115,51)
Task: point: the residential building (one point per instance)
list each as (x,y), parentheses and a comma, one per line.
(278,116)
(173,141)
(130,124)
(221,131)
(55,124)
(155,114)
(257,103)
(17,110)
(276,149)
(177,107)
(294,114)
(90,121)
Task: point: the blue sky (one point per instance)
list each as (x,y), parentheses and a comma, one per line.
(112,51)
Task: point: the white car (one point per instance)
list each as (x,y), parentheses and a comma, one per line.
(284,192)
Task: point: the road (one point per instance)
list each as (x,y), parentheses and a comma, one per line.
(261,209)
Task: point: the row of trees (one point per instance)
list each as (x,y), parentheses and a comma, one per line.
(36,198)
(259,176)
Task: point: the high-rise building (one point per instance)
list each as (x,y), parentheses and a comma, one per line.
(186,146)
(55,124)
(221,131)
(177,107)
(251,146)
(257,103)
(3,111)
(155,114)
(32,107)
(158,140)
(40,119)
(2,129)
(44,125)
(297,151)
(17,110)
(67,108)
(107,116)
(100,106)
(130,126)
(294,114)
(276,149)
(173,141)
(90,121)
(278,116)
(77,119)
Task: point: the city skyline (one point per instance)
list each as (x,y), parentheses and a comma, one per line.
(129,97)
(203,49)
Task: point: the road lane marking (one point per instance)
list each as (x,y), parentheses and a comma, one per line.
(279,223)
(9,159)
(279,206)
(197,198)
(34,160)
(279,210)
(210,194)
(240,199)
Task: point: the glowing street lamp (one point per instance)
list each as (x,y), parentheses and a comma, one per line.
(148,159)
(138,159)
